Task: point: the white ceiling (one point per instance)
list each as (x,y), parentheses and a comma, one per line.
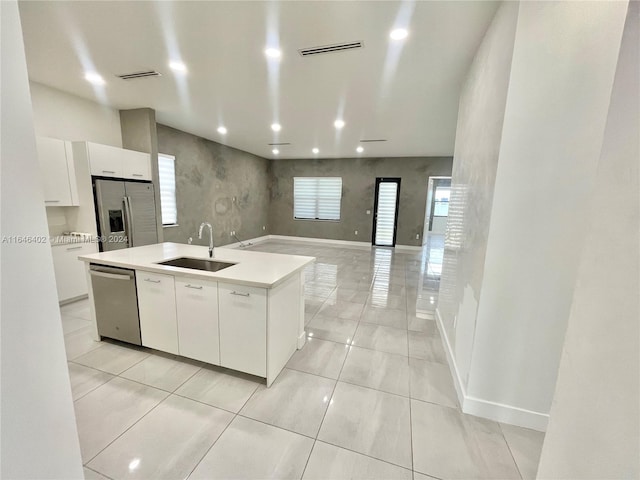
(405,92)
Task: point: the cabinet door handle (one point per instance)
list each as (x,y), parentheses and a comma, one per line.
(194,286)
(152,281)
(108,171)
(52,201)
(137,175)
(240,294)
(74,248)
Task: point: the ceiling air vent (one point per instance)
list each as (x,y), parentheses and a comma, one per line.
(373,140)
(132,76)
(276,144)
(338,47)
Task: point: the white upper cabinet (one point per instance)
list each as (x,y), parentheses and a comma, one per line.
(105,160)
(58,172)
(108,161)
(136,165)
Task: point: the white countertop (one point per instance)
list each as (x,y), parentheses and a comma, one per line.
(256,269)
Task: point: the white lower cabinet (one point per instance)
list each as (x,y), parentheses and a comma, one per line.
(157,308)
(197,309)
(243,328)
(71,278)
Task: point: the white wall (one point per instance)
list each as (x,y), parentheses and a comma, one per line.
(475,163)
(38,436)
(594,429)
(61,115)
(562,72)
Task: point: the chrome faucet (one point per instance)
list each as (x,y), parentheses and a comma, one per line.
(207,224)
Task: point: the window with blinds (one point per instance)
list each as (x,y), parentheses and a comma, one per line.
(167,171)
(317,198)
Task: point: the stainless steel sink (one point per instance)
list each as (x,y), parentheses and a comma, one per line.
(197,264)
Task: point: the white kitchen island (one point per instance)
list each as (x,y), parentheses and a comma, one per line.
(247,317)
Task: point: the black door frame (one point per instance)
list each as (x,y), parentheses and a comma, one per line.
(380,180)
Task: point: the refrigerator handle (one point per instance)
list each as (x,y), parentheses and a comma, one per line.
(126,200)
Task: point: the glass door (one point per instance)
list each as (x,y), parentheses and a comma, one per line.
(385,219)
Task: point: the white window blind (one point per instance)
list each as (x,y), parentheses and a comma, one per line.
(317,198)
(167,171)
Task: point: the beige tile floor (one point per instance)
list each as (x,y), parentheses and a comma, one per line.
(369,396)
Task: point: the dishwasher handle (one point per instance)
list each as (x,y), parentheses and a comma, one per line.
(112,276)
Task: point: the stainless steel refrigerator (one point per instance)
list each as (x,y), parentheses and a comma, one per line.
(126,214)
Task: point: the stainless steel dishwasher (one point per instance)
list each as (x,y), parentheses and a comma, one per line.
(116,303)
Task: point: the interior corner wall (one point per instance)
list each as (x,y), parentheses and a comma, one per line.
(475,164)
(59,114)
(224,186)
(595,417)
(561,80)
(38,437)
(358,192)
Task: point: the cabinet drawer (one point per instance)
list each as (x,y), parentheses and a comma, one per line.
(157,308)
(105,161)
(197,309)
(71,280)
(136,165)
(243,328)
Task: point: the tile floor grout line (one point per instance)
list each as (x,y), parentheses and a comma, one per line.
(308,458)
(510,451)
(236,415)
(96,471)
(365,455)
(130,427)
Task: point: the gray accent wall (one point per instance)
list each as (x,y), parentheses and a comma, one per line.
(358,191)
(217,184)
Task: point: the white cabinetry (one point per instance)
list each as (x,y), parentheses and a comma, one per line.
(71,280)
(243,328)
(157,308)
(108,161)
(136,165)
(105,160)
(197,309)
(58,172)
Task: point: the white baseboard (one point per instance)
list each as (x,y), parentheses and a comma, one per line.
(302,339)
(486,408)
(245,242)
(346,243)
(410,248)
(451,360)
(506,413)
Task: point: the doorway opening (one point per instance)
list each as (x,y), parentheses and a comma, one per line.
(385,218)
(437,209)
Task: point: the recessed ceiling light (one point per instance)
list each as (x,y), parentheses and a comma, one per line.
(359,149)
(338,124)
(178,67)
(94,78)
(273,53)
(276,127)
(316,151)
(398,34)
(275,151)
(222,130)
